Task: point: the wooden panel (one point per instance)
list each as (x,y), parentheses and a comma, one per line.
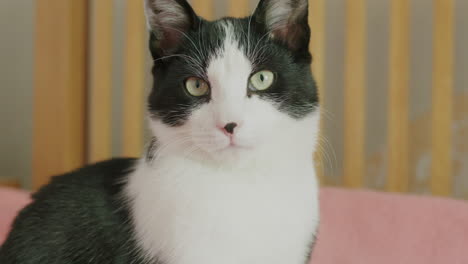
(441,180)
(354,93)
(317,12)
(204,8)
(134,78)
(238,8)
(10,183)
(59,88)
(398,166)
(100,96)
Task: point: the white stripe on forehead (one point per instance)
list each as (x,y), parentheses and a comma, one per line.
(229,70)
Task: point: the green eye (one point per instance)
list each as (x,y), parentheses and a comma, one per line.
(196,86)
(262,80)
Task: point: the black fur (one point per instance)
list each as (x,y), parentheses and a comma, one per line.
(168,99)
(151,149)
(78,218)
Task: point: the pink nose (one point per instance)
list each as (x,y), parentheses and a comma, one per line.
(229,128)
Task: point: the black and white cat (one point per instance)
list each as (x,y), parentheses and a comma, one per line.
(228,177)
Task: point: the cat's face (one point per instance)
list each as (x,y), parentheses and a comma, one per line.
(233,87)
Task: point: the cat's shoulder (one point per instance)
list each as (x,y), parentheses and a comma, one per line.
(81,213)
(106,176)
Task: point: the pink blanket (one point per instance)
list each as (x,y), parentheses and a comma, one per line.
(362,227)
(11,201)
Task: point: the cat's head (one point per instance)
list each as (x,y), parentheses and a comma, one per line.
(233,88)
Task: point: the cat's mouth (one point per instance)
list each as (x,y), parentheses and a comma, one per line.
(234,145)
(231,151)
(218,143)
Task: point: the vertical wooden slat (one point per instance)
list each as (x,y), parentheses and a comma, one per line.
(443,79)
(238,8)
(59,88)
(354,93)
(204,8)
(398,119)
(99,134)
(134,78)
(317,14)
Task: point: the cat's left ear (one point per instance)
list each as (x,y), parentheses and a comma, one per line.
(286,20)
(169,22)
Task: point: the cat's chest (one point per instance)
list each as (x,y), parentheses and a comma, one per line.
(216,216)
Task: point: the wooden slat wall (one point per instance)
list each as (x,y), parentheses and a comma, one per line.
(238,8)
(61,75)
(317,11)
(134,78)
(398,119)
(100,92)
(10,183)
(204,8)
(354,93)
(59,88)
(443,80)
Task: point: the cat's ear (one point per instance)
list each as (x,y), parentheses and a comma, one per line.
(169,21)
(286,20)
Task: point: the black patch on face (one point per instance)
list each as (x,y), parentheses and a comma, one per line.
(169,99)
(294,91)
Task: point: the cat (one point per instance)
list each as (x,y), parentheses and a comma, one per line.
(228,176)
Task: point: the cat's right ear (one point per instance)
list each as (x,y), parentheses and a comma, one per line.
(169,21)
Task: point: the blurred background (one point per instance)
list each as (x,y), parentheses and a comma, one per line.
(393,78)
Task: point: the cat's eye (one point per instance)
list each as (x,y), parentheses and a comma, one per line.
(196,86)
(262,80)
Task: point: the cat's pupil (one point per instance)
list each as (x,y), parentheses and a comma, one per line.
(262,78)
(197,84)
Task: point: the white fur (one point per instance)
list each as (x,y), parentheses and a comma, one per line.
(202,202)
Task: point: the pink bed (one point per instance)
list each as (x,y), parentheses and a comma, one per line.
(361,227)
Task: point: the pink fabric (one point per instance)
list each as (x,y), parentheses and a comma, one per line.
(362,227)
(11,202)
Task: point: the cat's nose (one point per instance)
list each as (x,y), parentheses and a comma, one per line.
(229,127)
